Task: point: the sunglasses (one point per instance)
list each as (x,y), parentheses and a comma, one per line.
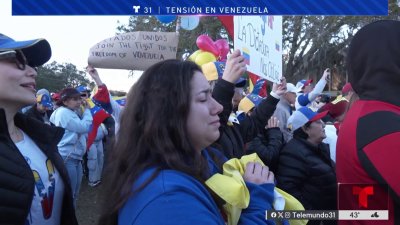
(18,57)
(85,95)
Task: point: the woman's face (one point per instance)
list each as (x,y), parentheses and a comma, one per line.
(73,103)
(203,121)
(17,86)
(316,132)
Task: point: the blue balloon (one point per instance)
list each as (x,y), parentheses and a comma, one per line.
(189,22)
(166,19)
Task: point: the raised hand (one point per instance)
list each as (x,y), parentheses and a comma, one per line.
(272,122)
(235,67)
(327,75)
(94,74)
(279,89)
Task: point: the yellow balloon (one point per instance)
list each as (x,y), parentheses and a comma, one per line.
(204,57)
(193,56)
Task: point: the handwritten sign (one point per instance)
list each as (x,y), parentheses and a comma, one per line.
(134,51)
(260,40)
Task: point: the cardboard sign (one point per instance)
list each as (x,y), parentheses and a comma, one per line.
(259,38)
(134,50)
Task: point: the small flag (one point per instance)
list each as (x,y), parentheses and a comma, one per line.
(120,100)
(99,115)
(277,46)
(246,55)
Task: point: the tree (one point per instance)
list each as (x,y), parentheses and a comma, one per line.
(55,77)
(313,43)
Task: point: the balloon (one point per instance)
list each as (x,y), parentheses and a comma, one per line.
(166,19)
(205,57)
(189,22)
(205,43)
(193,56)
(223,48)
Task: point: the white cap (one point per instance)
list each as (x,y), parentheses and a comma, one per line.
(291,88)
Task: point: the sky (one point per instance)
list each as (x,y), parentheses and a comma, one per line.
(70,38)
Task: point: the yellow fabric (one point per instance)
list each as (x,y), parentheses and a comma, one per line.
(231,187)
(39,98)
(291,203)
(251,86)
(338,99)
(210,71)
(245,105)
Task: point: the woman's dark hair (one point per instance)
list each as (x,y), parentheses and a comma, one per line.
(300,133)
(153,133)
(66,94)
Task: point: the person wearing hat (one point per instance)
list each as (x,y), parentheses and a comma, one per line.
(305,169)
(72,146)
(34,183)
(93,160)
(284,109)
(347,91)
(43,108)
(368,143)
(309,94)
(305,86)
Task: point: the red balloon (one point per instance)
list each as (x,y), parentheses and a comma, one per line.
(205,43)
(223,48)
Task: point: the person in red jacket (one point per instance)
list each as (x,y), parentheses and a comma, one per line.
(368,148)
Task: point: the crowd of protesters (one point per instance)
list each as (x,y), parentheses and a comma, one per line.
(192,150)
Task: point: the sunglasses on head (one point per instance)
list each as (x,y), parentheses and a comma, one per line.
(18,57)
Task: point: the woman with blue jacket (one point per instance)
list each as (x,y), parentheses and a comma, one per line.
(72,146)
(160,161)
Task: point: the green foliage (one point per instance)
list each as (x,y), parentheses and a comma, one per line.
(313,43)
(55,77)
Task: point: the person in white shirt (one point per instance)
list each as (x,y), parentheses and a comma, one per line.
(309,94)
(34,184)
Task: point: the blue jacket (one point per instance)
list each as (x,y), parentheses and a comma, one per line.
(176,198)
(73,143)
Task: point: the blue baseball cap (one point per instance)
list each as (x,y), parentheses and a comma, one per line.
(303,83)
(37,51)
(303,116)
(82,89)
(44,100)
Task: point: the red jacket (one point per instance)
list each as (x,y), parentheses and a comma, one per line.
(368,152)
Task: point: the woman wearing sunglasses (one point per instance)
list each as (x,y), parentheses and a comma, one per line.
(34,184)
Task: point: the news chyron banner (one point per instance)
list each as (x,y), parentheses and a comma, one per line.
(195,7)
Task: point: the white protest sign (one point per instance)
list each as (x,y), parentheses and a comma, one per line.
(259,38)
(134,51)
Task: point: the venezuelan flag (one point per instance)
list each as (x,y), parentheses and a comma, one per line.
(253,80)
(246,55)
(99,115)
(120,100)
(102,98)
